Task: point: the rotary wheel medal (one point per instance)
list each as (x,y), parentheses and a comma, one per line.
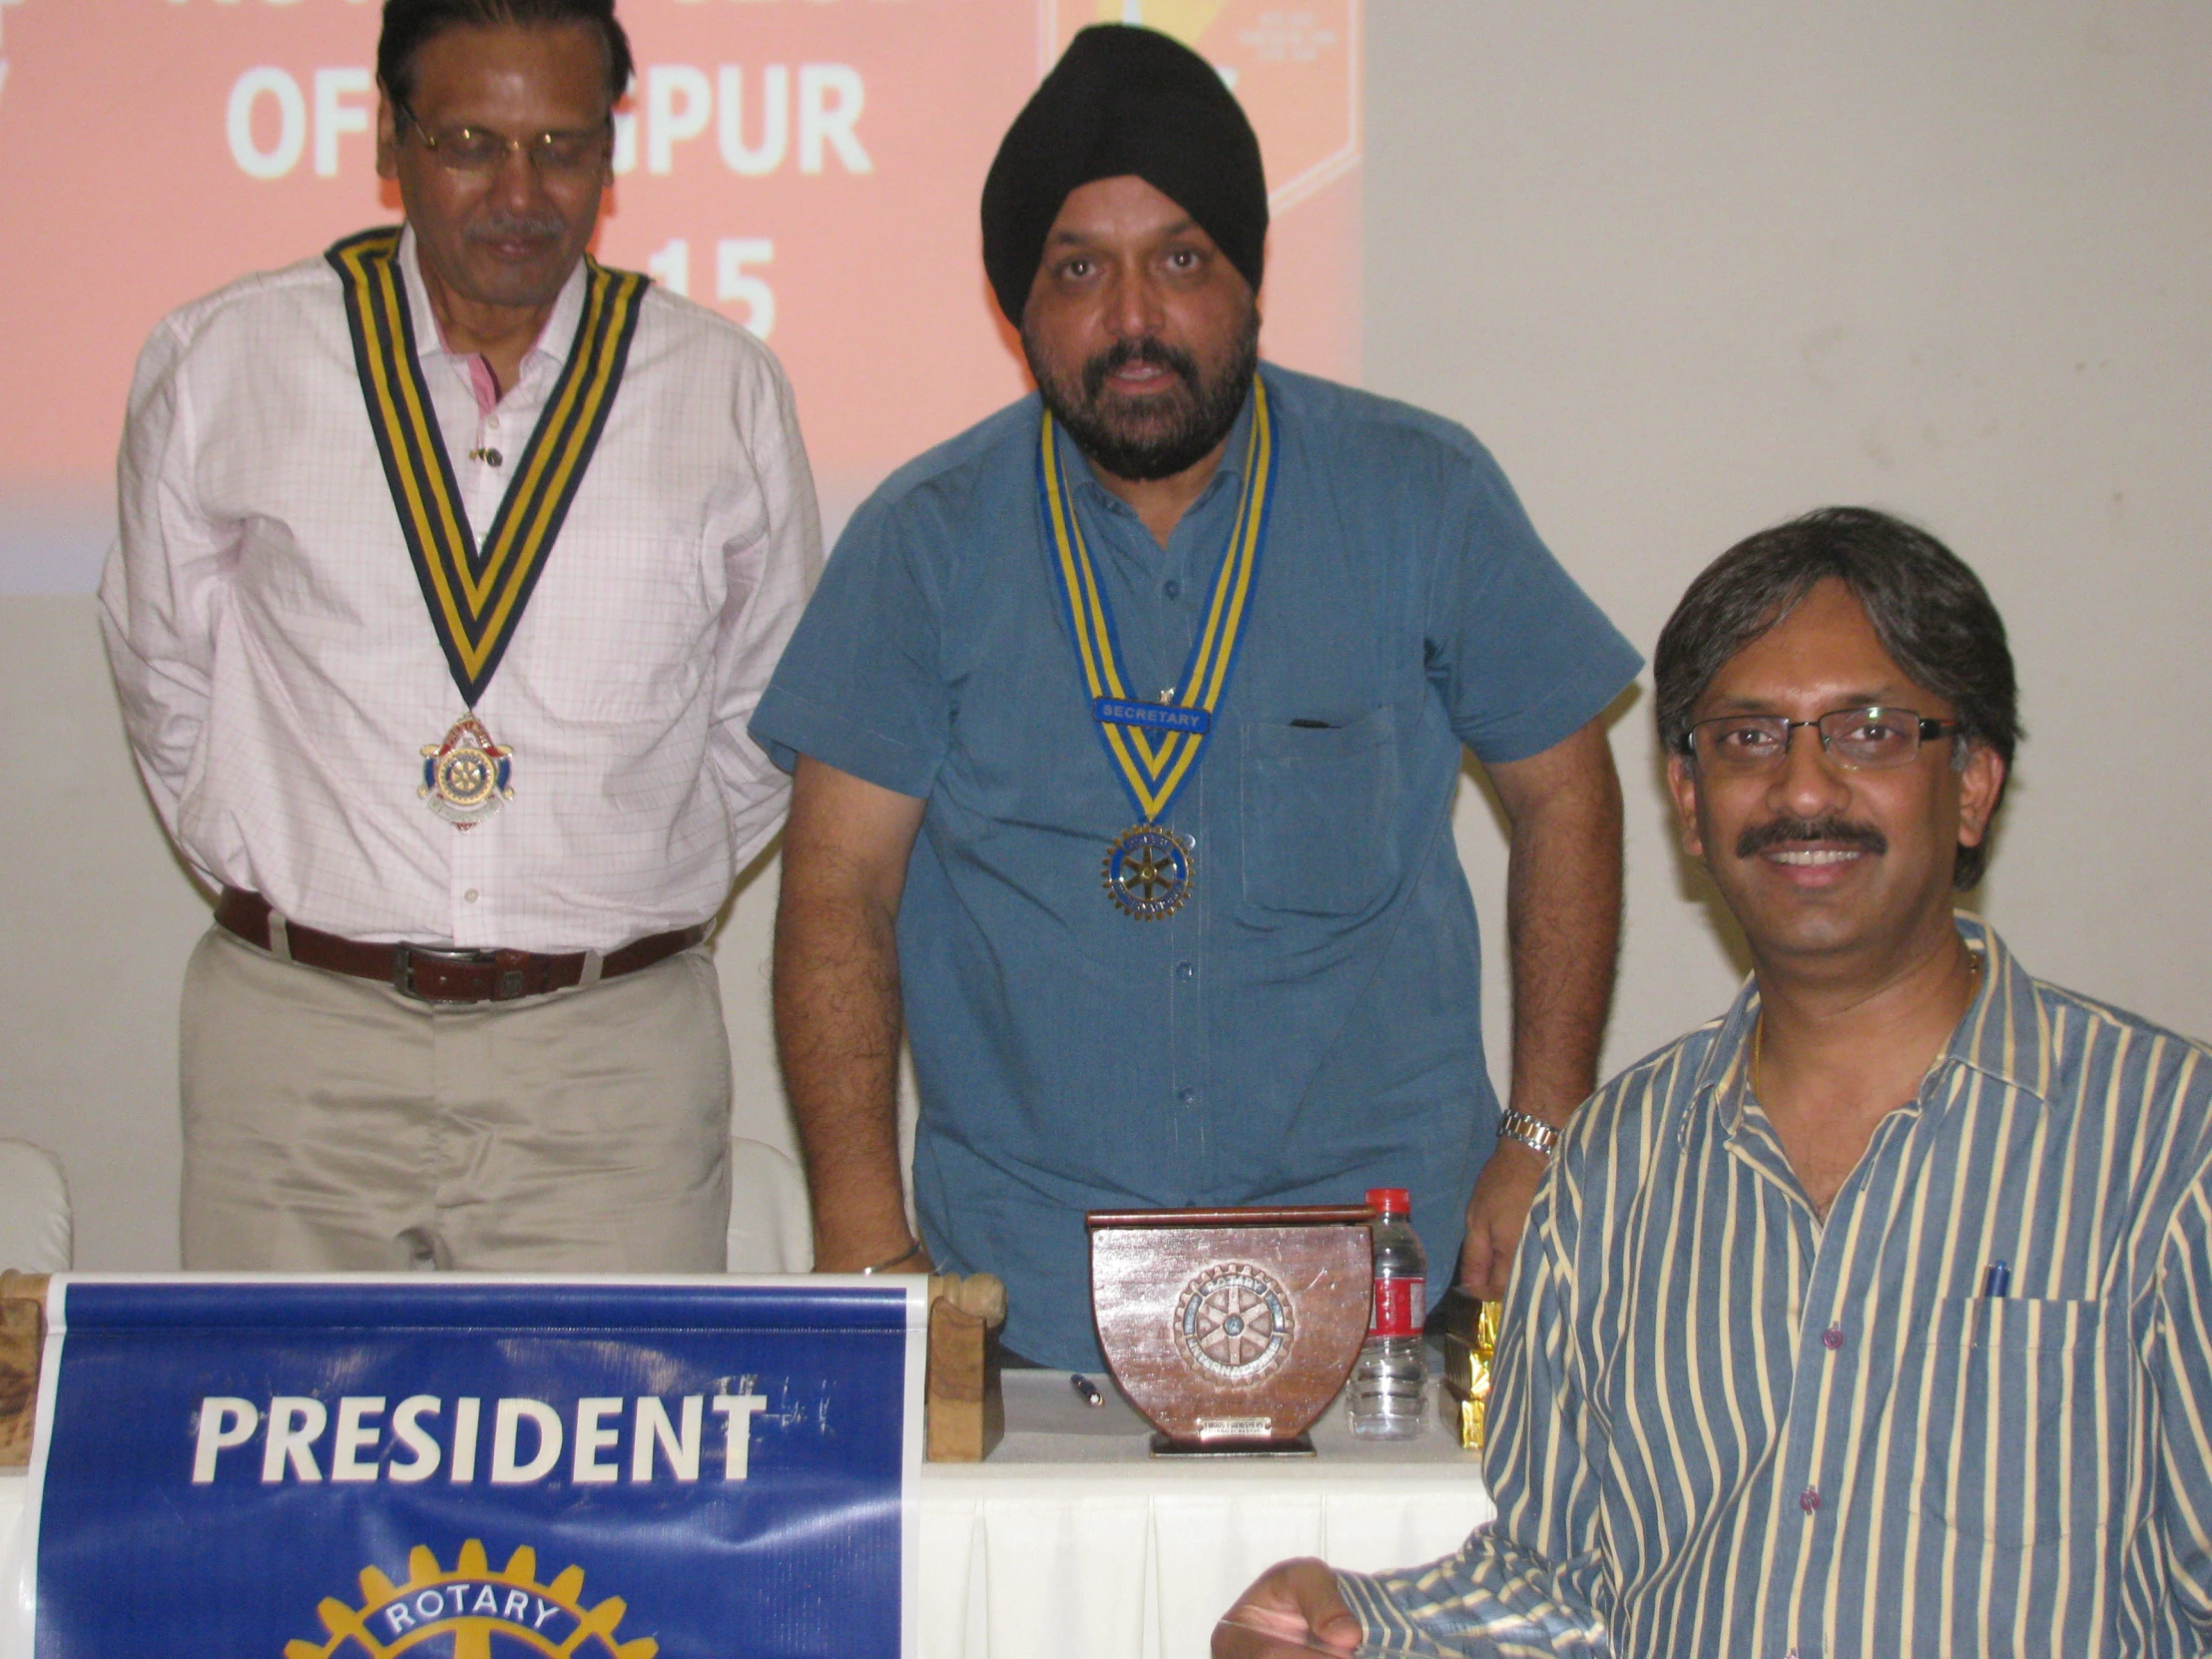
(467,777)
(1148,873)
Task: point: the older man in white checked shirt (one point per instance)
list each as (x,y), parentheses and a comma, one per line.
(451,567)
(1875,1317)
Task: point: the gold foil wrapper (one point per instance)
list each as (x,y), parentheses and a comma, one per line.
(1471,1350)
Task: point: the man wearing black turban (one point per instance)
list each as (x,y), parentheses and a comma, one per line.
(1254,615)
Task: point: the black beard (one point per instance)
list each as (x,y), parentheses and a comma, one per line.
(1162,435)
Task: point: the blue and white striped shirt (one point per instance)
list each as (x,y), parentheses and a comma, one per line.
(1723,1427)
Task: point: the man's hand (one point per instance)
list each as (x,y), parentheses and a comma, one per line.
(1294,1608)
(1495,1216)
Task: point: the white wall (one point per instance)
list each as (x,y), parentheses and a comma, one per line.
(1687,271)
(1690,270)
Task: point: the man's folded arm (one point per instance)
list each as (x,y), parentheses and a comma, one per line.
(165,579)
(1532,1580)
(771,572)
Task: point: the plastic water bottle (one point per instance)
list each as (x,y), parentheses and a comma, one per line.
(1389,1382)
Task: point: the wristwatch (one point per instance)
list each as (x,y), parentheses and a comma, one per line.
(1532,1132)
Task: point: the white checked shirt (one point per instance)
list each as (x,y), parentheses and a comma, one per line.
(279,674)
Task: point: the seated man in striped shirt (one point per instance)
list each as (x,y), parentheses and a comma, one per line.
(1874,1317)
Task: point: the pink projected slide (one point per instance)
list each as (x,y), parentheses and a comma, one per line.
(810,167)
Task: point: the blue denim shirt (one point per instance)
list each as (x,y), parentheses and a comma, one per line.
(1308,1024)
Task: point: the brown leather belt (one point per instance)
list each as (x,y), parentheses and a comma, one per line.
(431,974)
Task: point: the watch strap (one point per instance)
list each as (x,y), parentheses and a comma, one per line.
(1525,1130)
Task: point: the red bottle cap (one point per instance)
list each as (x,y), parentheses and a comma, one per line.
(1391,1201)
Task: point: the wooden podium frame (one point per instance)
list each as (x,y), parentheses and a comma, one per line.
(966,1411)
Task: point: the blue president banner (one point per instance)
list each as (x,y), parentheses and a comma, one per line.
(477,1469)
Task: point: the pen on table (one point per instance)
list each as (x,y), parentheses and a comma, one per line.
(1084,1387)
(1998,1281)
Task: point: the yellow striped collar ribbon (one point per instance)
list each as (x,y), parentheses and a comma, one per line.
(478,594)
(1156,747)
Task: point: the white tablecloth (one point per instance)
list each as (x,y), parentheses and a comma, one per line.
(1074,1543)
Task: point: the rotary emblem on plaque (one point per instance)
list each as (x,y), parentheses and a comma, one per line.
(1234,1321)
(1148,873)
(465,777)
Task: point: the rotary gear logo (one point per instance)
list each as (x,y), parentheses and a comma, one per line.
(1234,1321)
(486,1615)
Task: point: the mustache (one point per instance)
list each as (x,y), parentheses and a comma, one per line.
(506,227)
(1124,352)
(1837,832)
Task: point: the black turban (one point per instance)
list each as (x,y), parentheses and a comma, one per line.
(1124,100)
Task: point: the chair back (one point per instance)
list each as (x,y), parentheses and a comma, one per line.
(34,1210)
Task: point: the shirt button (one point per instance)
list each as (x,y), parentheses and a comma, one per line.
(1187,1096)
(493,457)
(1186,970)
(1808,1500)
(470,895)
(1832,1337)
(1174,590)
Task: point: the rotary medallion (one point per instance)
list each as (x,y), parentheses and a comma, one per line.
(1148,872)
(464,779)
(1232,1321)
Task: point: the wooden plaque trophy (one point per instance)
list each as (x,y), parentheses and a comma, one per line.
(1231,1330)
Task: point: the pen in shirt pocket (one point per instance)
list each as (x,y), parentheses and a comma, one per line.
(1998,1281)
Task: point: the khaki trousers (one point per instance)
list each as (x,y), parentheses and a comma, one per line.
(332,1124)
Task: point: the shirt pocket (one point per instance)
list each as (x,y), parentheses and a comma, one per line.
(2019,1404)
(621,630)
(1317,808)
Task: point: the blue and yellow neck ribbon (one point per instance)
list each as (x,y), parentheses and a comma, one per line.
(1156,747)
(478,594)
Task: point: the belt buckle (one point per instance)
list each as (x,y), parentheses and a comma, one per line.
(402,970)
